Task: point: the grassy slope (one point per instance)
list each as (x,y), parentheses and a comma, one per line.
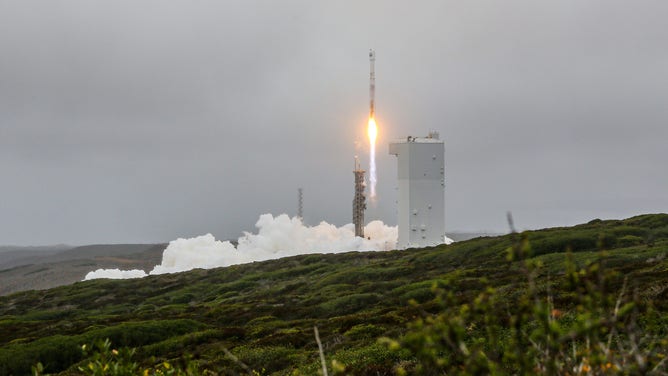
(264,312)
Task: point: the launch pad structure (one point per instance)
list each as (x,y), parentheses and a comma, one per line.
(421,186)
(421,182)
(359,201)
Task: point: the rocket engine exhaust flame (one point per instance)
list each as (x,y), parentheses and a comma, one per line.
(372,132)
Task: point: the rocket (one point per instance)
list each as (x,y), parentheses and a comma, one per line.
(372,129)
(372,83)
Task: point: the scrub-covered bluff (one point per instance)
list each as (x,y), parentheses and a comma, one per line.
(589,299)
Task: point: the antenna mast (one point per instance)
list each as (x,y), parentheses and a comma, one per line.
(300,203)
(372,83)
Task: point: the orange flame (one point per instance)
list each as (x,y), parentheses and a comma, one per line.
(372,131)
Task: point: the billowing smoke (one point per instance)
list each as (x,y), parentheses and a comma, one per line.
(115,274)
(277,237)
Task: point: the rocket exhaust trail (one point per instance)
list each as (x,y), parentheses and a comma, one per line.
(373,131)
(372,128)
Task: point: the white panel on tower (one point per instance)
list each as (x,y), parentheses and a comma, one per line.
(421,184)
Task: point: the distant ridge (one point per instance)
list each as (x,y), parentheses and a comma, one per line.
(37,248)
(37,268)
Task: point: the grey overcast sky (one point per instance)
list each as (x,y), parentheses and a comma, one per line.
(143,121)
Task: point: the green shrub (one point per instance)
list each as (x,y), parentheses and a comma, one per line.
(419,295)
(104,360)
(58,352)
(177,344)
(652,221)
(558,244)
(183,298)
(268,358)
(57,314)
(629,230)
(348,304)
(364,332)
(629,241)
(370,273)
(575,240)
(374,359)
(133,334)
(264,325)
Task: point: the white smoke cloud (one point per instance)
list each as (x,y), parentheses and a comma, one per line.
(115,274)
(277,237)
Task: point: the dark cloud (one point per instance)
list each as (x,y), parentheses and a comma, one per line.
(131,121)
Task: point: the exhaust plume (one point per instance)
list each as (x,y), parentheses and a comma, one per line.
(277,237)
(373,133)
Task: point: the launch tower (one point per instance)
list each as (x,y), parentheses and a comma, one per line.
(359,202)
(421,184)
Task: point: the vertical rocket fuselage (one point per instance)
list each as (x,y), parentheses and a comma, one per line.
(372,83)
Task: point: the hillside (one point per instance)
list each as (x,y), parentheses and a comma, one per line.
(264,313)
(46,267)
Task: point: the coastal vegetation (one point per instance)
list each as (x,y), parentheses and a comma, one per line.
(588,299)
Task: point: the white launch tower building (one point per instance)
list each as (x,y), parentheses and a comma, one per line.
(421,184)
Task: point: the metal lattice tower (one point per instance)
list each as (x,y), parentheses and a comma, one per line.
(359,202)
(300,203)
